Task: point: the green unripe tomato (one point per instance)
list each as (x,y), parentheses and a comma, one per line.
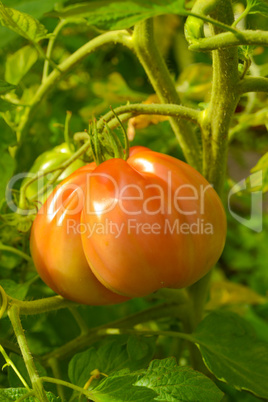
(46,162)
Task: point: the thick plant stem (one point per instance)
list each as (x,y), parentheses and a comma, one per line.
(224,98)
(215,125)
(26,354)
(157,72)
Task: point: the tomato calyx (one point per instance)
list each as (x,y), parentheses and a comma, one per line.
(105,144)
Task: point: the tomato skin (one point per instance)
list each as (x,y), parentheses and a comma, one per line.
(57,250)
(99,265)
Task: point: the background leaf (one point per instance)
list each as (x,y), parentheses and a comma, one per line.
(120,14)
(110,357)
(19,63)
(232,352)
(35,8)
(7,163)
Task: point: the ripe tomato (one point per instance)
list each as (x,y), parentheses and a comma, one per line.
(146,223)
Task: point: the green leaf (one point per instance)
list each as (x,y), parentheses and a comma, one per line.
(7,163)
(12,394)
(22,23)
(7,166)
(119,388)
(137,347)
(174,383)
(120,14)
(110,357)
(5,87)
(257,6)
(232,352)
(35,8)
(19,63)
(262,165)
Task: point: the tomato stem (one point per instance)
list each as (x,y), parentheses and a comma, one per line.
(229,39)
(14,316)
(157,71)
(224,99)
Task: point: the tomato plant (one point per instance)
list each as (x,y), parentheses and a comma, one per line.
(133,251)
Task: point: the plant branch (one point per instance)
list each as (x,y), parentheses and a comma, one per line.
(157,71)
(50,46)
(15,251)
(40,306)
(14,316)
(56,381)
(84,340)
(54,365)
(56,75)
(128,111)
(253,84)
(241,16)
(10,363)
(229,39)
(174,334)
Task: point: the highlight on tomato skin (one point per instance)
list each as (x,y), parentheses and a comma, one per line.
(146,223)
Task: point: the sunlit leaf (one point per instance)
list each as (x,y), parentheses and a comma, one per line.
(174,383)
(22,23)
(224,293)
(19,63)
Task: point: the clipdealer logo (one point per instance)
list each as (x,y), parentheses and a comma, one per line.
(255,220)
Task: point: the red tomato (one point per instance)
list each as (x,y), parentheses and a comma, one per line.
(146,223)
